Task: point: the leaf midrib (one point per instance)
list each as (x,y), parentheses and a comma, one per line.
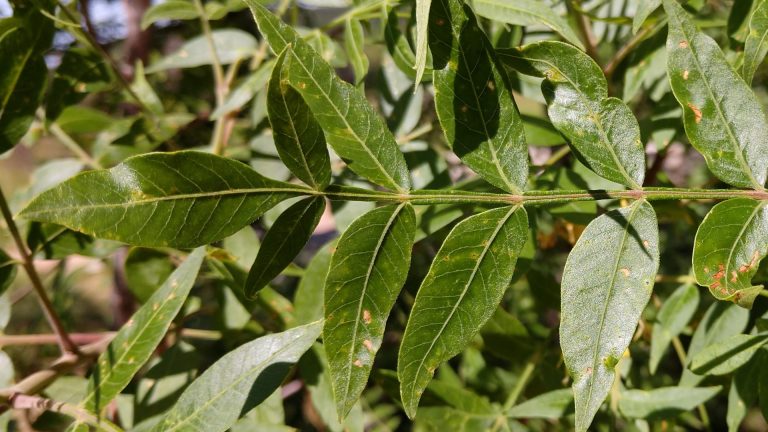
(199,195)
(297,140)
(732,140)
(480,259)
(15,81)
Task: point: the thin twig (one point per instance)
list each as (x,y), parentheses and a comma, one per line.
(585,28)
(65,343)
(630,46)
(22,401)
(73,146)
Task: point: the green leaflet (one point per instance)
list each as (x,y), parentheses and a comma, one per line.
(606,284)
(284,240)
(169,10)
(7,271)
(473,98)
(722,117)
(644,9)
(724,357)
(672,318)
(720,323)
(137,339)
(399,48)
(744,391)
(238,382)
(422,29)
(298,137)
(367,271)
(524,13)
(664,402)
(308,299)
(182,199)
(351,125)
(23,73)
(729,245)
(602,130)
(554,404)
(463,288)
(756,44)
(230,44)
(354,43)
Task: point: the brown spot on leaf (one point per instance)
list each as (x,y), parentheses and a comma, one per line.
(720,272)
(624,271)
(734,276)
(358,363)
(747,267)
(685,74)
(646,243)
(368,344)
(696,112)
(440,21)
(683,44)
(367,316)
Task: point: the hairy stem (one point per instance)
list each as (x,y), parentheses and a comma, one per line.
(65,343)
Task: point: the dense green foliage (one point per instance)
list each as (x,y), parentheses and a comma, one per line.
(505,215)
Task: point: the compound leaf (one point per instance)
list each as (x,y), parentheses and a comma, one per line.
(238,381)
(463,288)
(473,98)
(182,199)
(351,125)
(284,240)
(607,282)
(367,270)
(602,131)
(729,245)
(723,119)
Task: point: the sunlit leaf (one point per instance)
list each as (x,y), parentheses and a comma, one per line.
(463,288)
(756,44)
(182,199)
(238,381)
(722,116)
(729,245)
(473,98)
(368,268)
(607,282)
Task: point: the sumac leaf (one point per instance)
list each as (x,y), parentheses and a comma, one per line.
(367,271)
(182,199)
(354,42)
(473,98)
(728,355)
(463,288)
(672,318)
(554,404)
(663,402)
(284,240)
(139,337)
(607,281)
(352,127)
(238,381)
(729,245)
(422,29)
(298,137)
(601,130)
(722,117)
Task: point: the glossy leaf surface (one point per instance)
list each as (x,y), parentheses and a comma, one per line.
(601,130)
(367,271)
(524,13)
(756,44)
(298,137)
(473,98)
(238,381)
(352,127)
(138,339)
(607,282)
(463,288)
(722,116)
(284,240)
(729,245)
(182,199)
